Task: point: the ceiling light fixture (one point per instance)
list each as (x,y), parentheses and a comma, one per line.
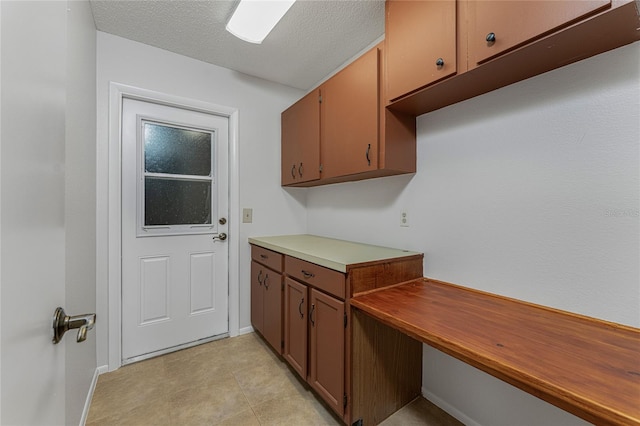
(253,20)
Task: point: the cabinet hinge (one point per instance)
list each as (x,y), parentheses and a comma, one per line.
(344,401)
(320,168)
(345,320)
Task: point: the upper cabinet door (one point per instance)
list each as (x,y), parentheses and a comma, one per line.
(301,140)
(497,27)
(421,44)
(349,118)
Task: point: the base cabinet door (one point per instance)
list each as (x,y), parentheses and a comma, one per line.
(272,309)
(266,304)
(326,348)
(295,325)
(257,296)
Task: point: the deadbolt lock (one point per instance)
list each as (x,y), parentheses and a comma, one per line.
(222,221)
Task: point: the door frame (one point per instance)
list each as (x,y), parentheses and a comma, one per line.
(117,92)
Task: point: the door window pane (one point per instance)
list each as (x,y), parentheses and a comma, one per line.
(176,151)
(176,202)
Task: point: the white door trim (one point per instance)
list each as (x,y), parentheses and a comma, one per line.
(117,92)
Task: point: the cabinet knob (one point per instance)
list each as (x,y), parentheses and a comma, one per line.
(440,63)
(491,38)
(293,171)
(300,170)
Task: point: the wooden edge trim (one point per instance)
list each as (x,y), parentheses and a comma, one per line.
(352,266)
(375,290)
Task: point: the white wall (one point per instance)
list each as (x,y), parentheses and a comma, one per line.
(275,210)
(531,191)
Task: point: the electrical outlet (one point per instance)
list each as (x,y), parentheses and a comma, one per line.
(247,215)
(404,219)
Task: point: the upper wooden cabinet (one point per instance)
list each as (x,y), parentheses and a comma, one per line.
(301,140)
(497,43)
(421,44)
(499,26)
(349,119)
(358,137)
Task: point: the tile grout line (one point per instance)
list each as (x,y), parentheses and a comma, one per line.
(246,398)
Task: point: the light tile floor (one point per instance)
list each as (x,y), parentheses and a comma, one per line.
(237,381)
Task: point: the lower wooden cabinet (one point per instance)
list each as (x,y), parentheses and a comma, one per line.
(322,341)
(266,297)
(327,319)
(314,336)
(296,325)
(257,297)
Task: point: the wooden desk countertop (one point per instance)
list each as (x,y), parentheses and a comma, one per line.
(586,366)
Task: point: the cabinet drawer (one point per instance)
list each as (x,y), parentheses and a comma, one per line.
(328,280)
(267,257)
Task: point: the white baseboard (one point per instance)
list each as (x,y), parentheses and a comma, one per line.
(87,404)
(468,421)
(245,330)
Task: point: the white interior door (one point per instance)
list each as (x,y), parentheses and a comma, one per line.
(174,209)
(32,207)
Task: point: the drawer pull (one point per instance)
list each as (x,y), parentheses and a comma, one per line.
(293,171)
(300,308)
(308,274)
(266,279)
(260,277)
(264,256)
(313,308)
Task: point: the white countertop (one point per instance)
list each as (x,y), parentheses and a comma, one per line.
(328,252)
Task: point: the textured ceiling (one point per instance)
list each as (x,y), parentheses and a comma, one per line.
(312,40)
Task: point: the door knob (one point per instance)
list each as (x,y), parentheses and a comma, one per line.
(221,236)
(63,322)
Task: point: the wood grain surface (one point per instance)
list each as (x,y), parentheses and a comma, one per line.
(585,366)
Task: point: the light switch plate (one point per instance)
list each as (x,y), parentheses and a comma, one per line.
(247,215)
